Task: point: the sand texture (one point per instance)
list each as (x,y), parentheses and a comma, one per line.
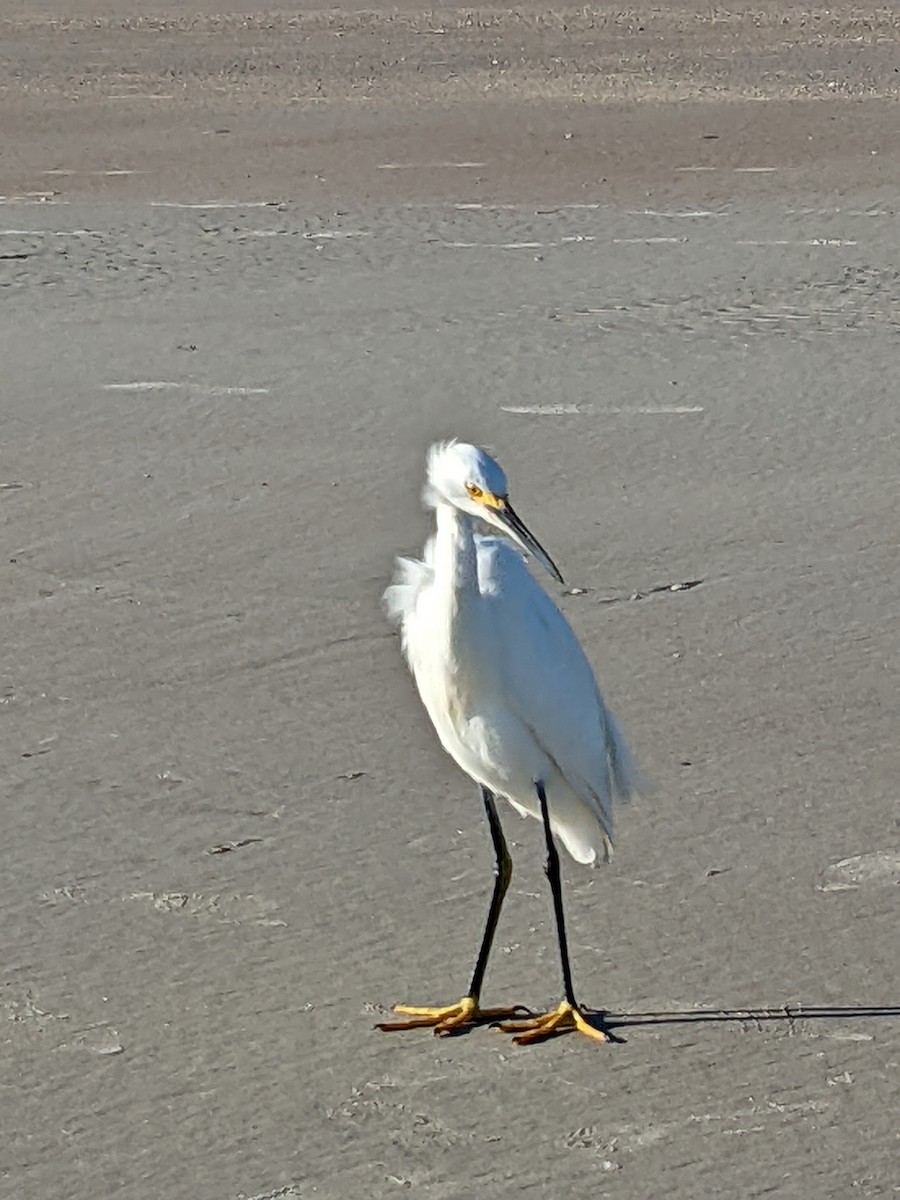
(251,265)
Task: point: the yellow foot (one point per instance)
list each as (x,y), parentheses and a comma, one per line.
(455,1019)
(563,1019)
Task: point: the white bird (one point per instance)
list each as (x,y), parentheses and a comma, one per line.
(513,700)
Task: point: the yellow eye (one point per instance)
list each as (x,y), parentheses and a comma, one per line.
(475,492)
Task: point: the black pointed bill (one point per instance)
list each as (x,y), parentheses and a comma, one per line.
(509,519)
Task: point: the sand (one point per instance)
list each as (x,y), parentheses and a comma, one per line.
(250,266)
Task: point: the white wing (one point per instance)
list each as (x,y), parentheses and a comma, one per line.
(549,683)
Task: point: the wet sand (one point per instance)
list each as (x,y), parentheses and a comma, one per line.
(250,266)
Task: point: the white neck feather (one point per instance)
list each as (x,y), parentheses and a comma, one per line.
(455,555)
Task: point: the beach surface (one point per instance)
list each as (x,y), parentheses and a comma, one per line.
(252,264)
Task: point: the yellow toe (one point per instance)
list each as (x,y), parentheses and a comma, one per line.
(587,1028)
(564,1019)
(455,1018)
(436,1014)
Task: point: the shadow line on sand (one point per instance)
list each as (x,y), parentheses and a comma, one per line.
(790,1014)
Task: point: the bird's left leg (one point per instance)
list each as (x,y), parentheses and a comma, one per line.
(468,1013)
(568,1015)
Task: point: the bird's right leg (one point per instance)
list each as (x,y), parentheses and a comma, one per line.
(569,1014)
(467,1012)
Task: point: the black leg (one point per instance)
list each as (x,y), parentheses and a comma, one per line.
(467,1013)
(551,869)
(502,874)
(568,1015)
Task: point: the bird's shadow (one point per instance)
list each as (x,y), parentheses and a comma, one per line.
(788,1015)
(612,1023)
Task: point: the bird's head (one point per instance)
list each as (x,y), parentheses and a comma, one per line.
(467,478)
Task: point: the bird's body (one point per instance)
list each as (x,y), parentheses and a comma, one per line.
(507,686)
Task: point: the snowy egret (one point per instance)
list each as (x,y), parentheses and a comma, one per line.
(513,700)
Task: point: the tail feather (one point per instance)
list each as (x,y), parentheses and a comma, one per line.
(625,778)
(576,823)
(622,781)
